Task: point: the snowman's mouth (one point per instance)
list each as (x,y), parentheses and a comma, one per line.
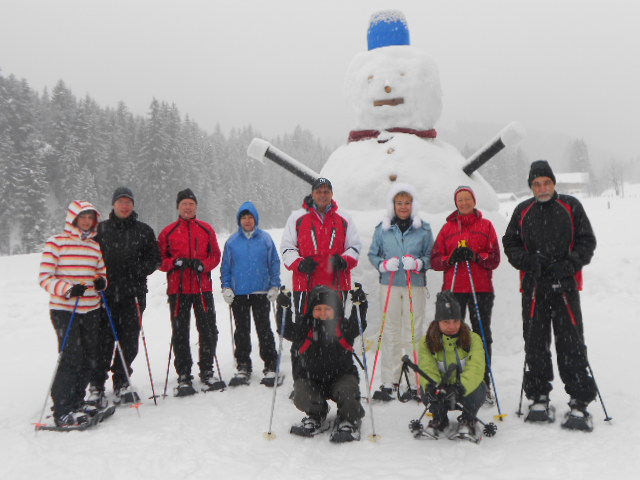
(391,102)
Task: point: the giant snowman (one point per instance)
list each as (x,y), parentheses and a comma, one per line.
(395,91)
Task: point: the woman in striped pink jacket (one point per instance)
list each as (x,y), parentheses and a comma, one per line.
(72,271)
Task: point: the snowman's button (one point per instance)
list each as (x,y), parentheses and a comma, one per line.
(390,150)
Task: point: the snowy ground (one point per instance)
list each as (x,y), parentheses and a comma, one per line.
(217,434)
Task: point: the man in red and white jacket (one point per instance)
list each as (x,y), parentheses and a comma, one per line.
(72,271)
(320,245)
(189,250)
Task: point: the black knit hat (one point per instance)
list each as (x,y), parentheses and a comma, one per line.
(540,168)
(185,194)
(323,295)
(122,192)
(447,307)
(319,182)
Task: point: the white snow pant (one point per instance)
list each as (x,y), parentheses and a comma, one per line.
(396,341)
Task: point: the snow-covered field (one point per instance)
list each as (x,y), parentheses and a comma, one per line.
(220,435)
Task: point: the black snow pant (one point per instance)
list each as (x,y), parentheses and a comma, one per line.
(311,397)
(243,306)
(205,313)
(550,310)
(78,360)
(485,305)
(471,404)
(127,324)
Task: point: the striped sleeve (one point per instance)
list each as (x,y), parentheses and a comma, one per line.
(48,267)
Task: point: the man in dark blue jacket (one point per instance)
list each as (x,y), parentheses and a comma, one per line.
(250,275)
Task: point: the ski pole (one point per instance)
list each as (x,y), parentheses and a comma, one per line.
(373,437)
(268,434)
(574,322)
(413,330)
(455,274)
(166,378)
(500,415)
(524,365)
(384,321)
(55,370)
(119,348)
(146,351)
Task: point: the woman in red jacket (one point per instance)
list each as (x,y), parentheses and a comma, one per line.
(467,237)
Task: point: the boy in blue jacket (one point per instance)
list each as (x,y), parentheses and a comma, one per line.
(250,275)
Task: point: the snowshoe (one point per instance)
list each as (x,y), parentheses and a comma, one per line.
(241,377)
(433,430)
(410,394)
(467,430)
(209,382)
(345,431)
(269,379)
(578,418)
(541,411)
(385,394)
(77,421)
(184,388)
(310,427)
(126,395)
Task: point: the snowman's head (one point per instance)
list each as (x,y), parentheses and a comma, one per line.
(395,86)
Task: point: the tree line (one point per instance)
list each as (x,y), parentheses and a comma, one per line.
(56,147)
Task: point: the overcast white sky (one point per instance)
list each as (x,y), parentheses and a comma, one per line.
(571,66)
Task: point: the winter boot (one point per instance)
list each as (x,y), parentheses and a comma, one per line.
(209,381)
(184,388)
(433,430)
(578,418)
(310,426)
(72,419)
(410,394)
(385,394)
(541,411)
(345,431)
(126,395)
(489,400)
(269,378)
(95,401)
(242,376)
(467,430)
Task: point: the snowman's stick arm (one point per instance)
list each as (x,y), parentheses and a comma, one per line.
(260,149)
(510,135)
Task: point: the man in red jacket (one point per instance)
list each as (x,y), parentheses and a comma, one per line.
(190,251)
(320,245)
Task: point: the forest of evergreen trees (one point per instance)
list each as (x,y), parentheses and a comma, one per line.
(56,148)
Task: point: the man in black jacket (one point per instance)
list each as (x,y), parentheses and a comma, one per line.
(130,253)
(549,239)
(323,367)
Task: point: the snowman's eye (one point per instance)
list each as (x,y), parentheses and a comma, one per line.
(369,78)
(402,74)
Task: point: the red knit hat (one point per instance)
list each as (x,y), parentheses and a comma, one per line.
(464,188)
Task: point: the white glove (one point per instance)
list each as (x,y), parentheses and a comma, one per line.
(228,295)
(411,263)
(272,294)
(390,265)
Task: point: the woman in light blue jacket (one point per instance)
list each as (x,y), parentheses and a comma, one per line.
(250,275)
(401,246)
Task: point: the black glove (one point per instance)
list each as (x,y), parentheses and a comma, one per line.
(284,298)
(430,396)
(560,270)
(459,391)
(196,264)
(357,294)
(99,284)
(339,263)
(182,263)
(461,255)
(77,290)
(308,265)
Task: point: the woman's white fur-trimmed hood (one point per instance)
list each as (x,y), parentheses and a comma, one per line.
(415,208)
